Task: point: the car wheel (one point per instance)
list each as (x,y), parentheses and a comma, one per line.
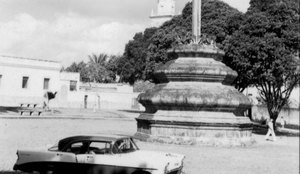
(44,172)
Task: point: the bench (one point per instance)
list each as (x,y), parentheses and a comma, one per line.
(31,111)
(28,104)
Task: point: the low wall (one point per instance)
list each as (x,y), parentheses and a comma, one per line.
(15,101)
(99,100)
(290,115)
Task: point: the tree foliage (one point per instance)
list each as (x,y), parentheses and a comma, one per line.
(100,59)
(132,64)
(81,68)
(264,51)
(148,50)
(100,68)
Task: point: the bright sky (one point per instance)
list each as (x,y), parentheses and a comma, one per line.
(70,30)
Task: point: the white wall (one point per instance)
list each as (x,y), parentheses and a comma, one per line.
(165,12)
(294,97)
(166,7)
(291,116)
(14,69)
(99,96)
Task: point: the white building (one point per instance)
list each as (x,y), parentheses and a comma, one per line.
(165,12)
(25,81)
(109,96)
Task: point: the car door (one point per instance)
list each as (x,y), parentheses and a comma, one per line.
(85,158)
(95,149)
(94,159)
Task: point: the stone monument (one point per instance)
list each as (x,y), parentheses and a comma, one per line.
(194,102)
(165,12)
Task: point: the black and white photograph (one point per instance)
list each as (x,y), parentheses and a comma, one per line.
(149,86)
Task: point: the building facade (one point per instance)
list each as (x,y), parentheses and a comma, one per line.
(165,12)
(25,81)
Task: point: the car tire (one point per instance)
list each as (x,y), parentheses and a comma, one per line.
(44,172)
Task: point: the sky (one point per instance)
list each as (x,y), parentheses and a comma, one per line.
(70,30)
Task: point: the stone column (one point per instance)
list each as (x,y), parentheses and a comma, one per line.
(197,20)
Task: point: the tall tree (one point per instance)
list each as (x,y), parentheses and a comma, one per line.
(98,68)
(98,73)
(100,59)
(112,67)
(264,51)
(133,63)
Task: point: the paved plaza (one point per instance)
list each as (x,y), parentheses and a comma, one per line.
(265,157)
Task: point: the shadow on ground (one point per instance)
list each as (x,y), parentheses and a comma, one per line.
(132,111)
(15,110)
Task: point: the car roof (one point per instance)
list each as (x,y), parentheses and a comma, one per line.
(78,138)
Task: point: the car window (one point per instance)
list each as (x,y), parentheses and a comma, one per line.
(124,146)
(78,147)
(99,148)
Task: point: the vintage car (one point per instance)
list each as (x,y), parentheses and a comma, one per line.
(98,155)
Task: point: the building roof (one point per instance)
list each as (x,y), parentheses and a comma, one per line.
(21,62)
(15,57)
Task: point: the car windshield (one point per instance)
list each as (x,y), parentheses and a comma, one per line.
(124,146)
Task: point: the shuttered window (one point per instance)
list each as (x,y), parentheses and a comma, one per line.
(46,83)
(73,85)
(0,79)
(25,82)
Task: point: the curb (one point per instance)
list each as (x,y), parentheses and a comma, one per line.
(66,118)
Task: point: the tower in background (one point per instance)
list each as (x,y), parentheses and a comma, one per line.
(165,12)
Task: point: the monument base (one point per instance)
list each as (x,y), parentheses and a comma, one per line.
(195,128)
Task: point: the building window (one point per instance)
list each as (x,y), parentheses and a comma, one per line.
(0,79)
(25,82)
(46,83)
(73,85)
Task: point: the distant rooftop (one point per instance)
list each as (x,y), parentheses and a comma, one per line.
(42,60)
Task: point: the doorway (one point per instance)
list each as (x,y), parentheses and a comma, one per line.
(85,101)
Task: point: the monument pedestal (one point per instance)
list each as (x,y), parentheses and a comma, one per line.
(193,103)
(195,128)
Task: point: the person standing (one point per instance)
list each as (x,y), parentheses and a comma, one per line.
(270,130)
(282,122)
(45,101)
(47,97)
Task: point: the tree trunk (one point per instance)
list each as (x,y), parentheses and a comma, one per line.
(274,115)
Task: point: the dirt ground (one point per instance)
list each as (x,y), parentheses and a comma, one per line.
(267,157)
